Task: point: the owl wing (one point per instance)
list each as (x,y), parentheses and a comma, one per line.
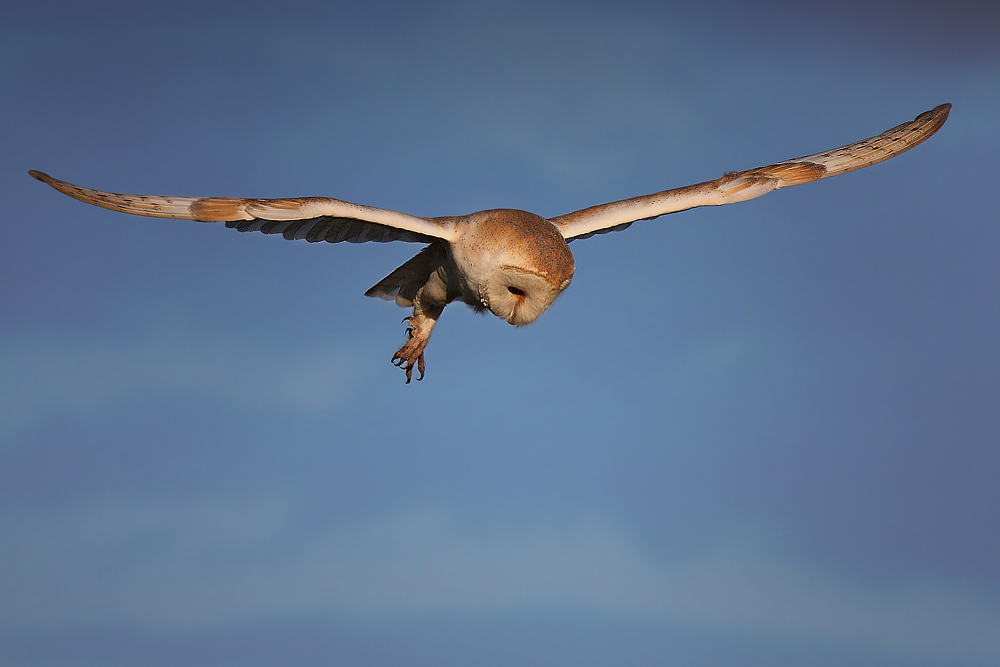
(310,218)
(743,185)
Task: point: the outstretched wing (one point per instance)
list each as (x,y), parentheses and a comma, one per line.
(744,185)
(310,218)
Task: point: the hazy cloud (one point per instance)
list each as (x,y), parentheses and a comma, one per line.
(220,561)
(45,375)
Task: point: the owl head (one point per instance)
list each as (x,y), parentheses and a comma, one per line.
(519,294)
(520,261)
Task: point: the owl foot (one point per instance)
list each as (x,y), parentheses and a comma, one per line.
(412,354)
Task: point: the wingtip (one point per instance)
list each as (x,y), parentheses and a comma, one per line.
(38,176)
(938,113)
(929,122)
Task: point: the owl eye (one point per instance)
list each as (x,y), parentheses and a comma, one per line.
(516,292)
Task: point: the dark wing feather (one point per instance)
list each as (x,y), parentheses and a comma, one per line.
(332,230)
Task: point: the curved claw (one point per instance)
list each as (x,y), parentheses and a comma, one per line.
(408,363)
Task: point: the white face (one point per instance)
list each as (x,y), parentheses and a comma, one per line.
(518,295)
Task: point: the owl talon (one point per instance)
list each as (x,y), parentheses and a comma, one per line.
(411,355)
(407,365)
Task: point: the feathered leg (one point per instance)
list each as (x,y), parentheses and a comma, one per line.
(422,282)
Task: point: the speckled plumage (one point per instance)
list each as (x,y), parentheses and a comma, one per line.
(510,262)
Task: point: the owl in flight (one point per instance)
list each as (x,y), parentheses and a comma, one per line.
(510,262)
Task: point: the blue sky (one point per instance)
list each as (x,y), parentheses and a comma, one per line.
(760,434)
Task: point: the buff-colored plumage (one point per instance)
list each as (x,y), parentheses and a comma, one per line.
(512,263)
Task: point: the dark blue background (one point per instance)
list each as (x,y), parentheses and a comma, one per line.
(764,434)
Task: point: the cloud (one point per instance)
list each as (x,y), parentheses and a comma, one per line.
(46,375)
(219,562)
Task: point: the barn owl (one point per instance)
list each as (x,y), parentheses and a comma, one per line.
(509,262)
